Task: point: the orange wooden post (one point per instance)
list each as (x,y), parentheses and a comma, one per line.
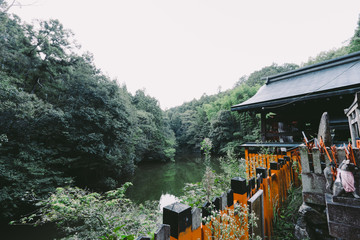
(205,232)
(297,171)
(282,182)
(284,170)
(271,200)
(186,235)
(246,154)
(247,161)
(249,166)
(264,156)
(263,172)
(287,172)
(240,190)
(290,172)
(179,217)
(252,160)
(239,187)
(206,228)
(275,185)
(267,208)
(294,168)
(252,186)
(196,224)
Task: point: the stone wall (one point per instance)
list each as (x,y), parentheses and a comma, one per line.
(322,215)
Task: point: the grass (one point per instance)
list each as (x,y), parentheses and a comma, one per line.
(284,222)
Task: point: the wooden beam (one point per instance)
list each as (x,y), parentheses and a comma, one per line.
(263,126)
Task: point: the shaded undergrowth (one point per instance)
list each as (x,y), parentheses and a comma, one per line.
(285,220)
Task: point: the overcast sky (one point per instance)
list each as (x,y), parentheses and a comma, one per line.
(179,50)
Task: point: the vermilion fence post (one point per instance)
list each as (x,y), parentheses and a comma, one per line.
(239,187)
(263,172)
(163,233)
(275,185)
(267,187)
(179,217)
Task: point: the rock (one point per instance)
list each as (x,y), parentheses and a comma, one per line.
(324,129)
(329,179)
(312,223)
(300,229)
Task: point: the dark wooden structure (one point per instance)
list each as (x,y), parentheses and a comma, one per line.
(292,102)
(353,114)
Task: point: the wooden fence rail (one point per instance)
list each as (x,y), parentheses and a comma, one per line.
(265,190)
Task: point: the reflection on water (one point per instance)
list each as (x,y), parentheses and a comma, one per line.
(165,181)
(167,199)
(152,181)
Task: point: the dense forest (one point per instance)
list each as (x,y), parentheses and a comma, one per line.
(63,122)
(210,116)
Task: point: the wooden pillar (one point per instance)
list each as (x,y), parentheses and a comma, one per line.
(263,172)
(196,223)
(276,184)
(353,114)
(256,204)
(163,233)
(239,188)
(263,126)
(240,196)
(179,217)
(247,162)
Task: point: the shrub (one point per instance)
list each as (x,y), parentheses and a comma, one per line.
(80,214)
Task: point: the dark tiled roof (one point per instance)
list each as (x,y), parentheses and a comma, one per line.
(271,144)
(334,77)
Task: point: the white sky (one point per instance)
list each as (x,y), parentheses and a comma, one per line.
(178,50)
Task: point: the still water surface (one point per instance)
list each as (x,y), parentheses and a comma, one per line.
(165,181)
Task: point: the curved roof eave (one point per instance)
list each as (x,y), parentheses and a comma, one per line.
(338,76)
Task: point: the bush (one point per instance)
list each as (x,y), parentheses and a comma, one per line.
(80,214)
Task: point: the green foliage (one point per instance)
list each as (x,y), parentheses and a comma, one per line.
(231,224)
(27,163)
(81,214)
(211,116)
(206,146)
(258,78)
(3,138)
(354,45)
(214,184)
(232,166)
(153,133)
(327,55)
(285,219)
(64,121)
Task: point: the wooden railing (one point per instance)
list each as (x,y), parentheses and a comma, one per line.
(263,192)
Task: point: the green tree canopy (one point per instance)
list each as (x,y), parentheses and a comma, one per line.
(64,121)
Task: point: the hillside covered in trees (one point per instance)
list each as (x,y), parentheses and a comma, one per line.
(210,116)
(63,122)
